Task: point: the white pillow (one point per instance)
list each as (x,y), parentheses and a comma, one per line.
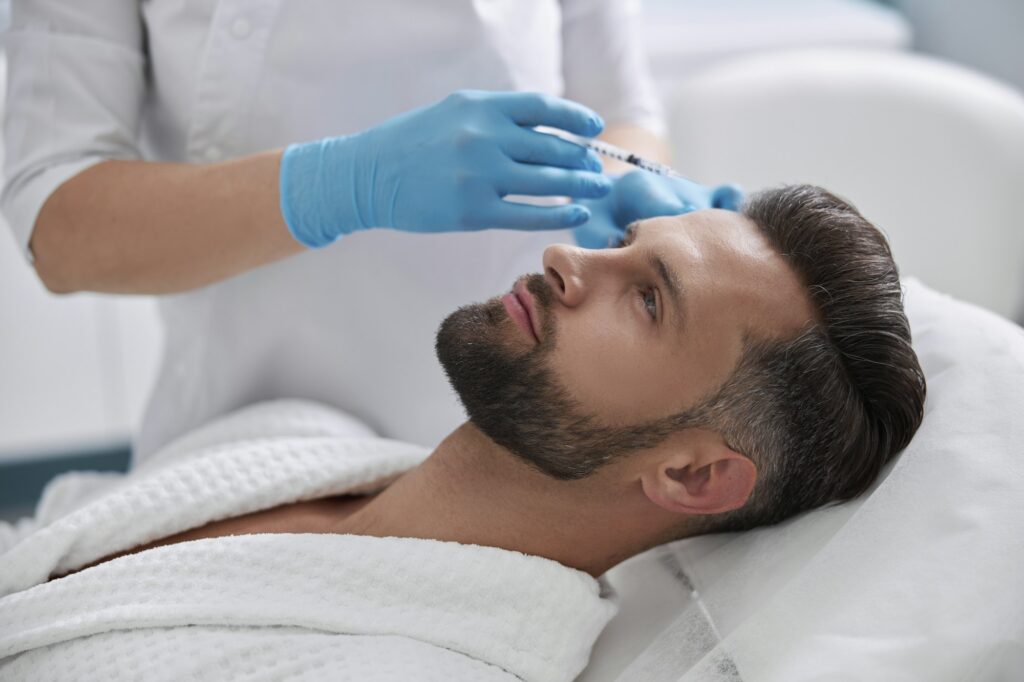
(920,579)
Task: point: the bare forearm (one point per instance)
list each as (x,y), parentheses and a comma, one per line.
(152,228)
(636,139)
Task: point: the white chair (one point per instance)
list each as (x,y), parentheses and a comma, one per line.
(932,153)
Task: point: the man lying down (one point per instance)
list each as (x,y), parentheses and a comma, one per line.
(718,371)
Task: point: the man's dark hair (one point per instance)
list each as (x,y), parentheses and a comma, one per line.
(822,413)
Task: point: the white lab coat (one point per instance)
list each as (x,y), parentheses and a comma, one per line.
(351,325)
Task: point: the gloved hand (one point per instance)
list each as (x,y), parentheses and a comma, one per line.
(445,167)
(640,195)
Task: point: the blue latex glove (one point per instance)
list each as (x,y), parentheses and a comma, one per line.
(640,195)
(443,168)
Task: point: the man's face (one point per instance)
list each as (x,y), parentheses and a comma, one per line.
(623,341)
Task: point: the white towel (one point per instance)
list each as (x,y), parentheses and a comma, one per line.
(277,606)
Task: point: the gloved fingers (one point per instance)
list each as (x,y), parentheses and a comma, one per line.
(516,216)
(643,195)
(557,182)
(695,194)
(729,197)
(537,109)
(529,146)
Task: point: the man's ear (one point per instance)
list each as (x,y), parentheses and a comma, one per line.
(702,476)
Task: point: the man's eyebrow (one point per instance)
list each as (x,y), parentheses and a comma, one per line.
(669,278)
(675,288)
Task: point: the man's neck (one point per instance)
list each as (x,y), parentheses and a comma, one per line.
(472,491)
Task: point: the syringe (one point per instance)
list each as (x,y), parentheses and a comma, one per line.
(613,152)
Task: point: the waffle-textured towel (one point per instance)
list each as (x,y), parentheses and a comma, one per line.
(275,606)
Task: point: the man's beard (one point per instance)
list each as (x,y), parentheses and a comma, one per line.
(516,400)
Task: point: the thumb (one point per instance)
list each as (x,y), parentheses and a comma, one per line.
(643,195)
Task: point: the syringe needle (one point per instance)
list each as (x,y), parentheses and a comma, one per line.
(613,152)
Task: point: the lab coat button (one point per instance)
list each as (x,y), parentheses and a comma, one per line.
(241,28)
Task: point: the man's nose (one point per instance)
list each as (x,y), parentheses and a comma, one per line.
(563,268)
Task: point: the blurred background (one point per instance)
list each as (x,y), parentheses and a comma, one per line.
(75,371)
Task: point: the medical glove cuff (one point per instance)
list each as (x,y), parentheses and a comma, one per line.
(316,185)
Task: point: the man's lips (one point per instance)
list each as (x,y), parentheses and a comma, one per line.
(522,309)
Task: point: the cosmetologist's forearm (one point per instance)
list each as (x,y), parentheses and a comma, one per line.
(140,227)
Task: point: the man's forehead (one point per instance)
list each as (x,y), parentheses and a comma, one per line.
(711,223)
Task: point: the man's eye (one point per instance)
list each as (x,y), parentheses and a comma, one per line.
(650,302)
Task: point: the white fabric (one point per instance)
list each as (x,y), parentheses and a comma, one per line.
(919,580)
(203,81)
(274,606)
